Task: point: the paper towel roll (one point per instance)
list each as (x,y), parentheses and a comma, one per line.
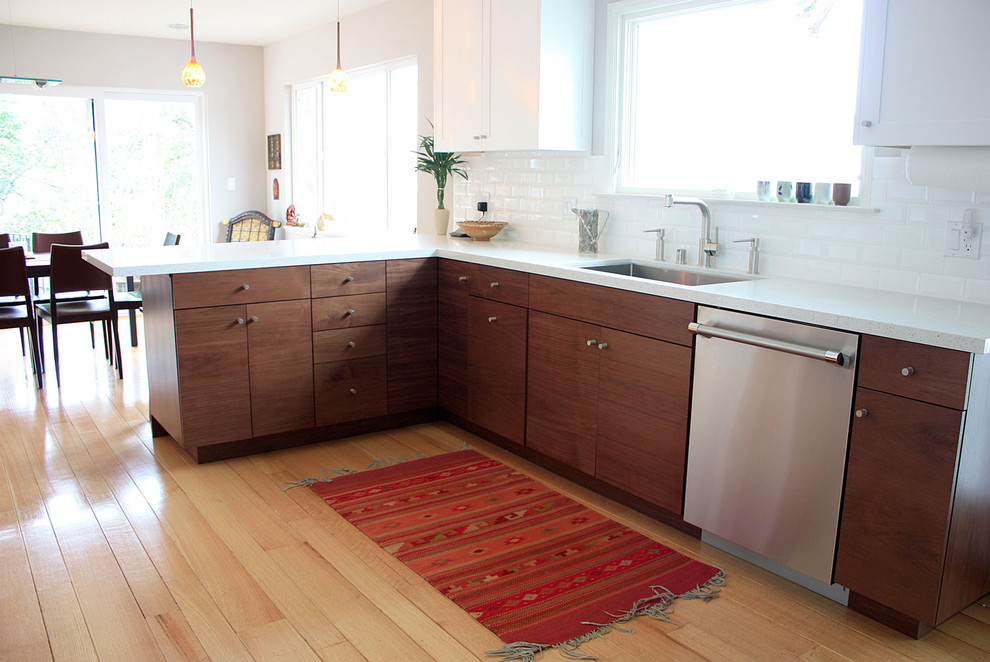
(962,168)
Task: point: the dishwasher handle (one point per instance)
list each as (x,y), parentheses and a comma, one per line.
(827,355)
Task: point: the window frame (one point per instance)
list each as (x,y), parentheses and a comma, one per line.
(322,84)
(621,19)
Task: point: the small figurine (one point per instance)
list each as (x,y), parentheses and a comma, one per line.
(290,215)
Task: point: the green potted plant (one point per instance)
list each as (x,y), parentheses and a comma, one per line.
(441,165)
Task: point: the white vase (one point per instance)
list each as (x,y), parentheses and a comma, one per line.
(441,219)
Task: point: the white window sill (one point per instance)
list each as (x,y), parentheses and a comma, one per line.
(757,204)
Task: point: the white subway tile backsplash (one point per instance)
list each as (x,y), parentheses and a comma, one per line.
(898,248)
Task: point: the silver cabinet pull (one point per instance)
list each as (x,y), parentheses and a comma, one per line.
(861,413)
(603,345)
(240,320)
(866,124)
(494,284)
(590,343)
(245,287)
(349,279)
(908,371)
(462,278)
(827,355)
(492,319)
(350,311)
(254,318)
(351,343)
(353,391)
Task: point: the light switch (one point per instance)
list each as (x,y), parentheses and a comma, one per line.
(231,183)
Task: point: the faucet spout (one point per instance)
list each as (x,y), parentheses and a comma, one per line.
(709,244)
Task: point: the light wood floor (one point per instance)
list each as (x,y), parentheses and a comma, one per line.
(115,546)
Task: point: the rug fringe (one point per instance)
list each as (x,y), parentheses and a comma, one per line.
(657,606)
(376,464)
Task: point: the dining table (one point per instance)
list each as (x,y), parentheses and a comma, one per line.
(39,265)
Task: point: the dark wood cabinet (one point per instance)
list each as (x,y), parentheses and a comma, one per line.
(411,328)
(244,371)
(914,548)
(453,291)
(562,390)
(280,356)
(350,390)
(643,403)
(611,404)
(214,394)
(496,392)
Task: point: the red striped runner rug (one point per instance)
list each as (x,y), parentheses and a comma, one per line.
(533,566)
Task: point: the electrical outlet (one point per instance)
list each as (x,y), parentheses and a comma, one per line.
(964,237)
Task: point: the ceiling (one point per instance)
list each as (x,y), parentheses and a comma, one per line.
(251,22)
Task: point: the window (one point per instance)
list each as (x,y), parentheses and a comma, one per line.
(122,169)
(347,148)
(713,96)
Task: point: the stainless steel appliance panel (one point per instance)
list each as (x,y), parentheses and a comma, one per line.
(770,420)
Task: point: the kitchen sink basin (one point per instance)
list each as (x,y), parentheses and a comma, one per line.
(650,272)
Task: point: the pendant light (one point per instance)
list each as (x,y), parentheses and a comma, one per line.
(338,79)
(193,75)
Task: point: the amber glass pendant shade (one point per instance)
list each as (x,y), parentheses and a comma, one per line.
(338,79)
(193,75)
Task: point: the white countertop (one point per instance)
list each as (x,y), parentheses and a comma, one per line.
(939,322)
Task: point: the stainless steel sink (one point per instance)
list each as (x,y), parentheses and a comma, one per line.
(650,272)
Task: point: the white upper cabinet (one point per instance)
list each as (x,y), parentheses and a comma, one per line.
(924,73)
(512,75)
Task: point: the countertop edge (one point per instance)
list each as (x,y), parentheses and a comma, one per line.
(943,323)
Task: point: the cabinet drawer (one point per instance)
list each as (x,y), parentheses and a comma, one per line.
(345,344)
(499,284)
(934,374)
(222,288)
(642,314)
(343,312)
(455,277)
(330,280)
(350,390)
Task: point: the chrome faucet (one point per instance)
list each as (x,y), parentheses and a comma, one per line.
(754,254)
(708,243)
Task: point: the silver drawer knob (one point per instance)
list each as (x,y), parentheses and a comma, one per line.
(861,413)
(462,278)
(494,284)
(353,391)
(866,124)
(245,287)
(352,344)
(590,343)
(603,345)
(492,319)
(908,371)
(349,279)
(254,319)
(350,311)
(240,320)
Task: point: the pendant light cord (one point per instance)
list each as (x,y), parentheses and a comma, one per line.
(192,35)
(13,53)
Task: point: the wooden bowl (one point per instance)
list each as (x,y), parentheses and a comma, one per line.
(481,230)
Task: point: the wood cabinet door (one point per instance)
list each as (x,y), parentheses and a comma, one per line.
(562,390)
(453,283)
(643,403)
(898,496)
(411,329)
(280,349)
(497,367)
(214,384)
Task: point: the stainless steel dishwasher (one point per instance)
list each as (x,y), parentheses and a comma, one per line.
(770,415)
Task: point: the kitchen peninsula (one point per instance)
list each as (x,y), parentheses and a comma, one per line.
(263,345)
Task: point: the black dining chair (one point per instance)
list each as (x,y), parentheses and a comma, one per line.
(17,311)
(5,243)
(132,300)
(70,273)
(4,240)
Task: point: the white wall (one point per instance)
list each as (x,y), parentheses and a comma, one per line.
(233,92)
(393,30)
